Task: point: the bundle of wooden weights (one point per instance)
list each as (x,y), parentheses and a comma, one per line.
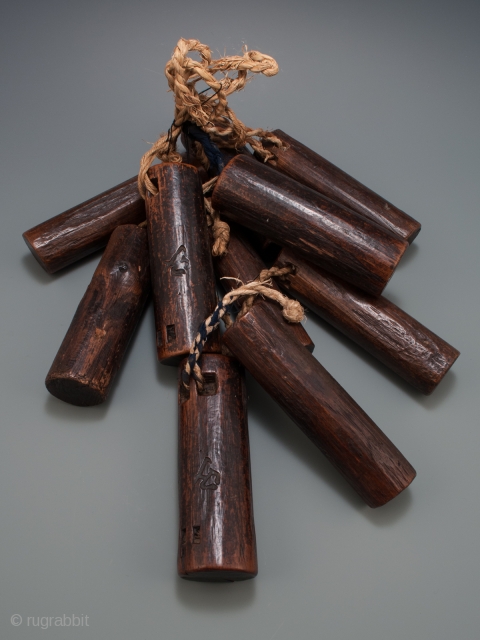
(336,243)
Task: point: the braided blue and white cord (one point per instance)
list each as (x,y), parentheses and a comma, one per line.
(205,329)
(291,309)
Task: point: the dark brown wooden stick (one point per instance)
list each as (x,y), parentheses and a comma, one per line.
(182,272)
(319,406)
(76,233)
(217,533)
(304,165)
(293,215)
(93,348)
(244,263)
(404,345)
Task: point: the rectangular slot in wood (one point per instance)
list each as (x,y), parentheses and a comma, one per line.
(210,385)
(171,333)
(196,534)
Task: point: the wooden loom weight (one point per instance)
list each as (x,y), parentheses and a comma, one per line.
(216,530)
(293,215)
(404,345)
(95,343)
(182,271)
(352,442)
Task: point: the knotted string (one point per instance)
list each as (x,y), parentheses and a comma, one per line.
(210,113)
(292,311)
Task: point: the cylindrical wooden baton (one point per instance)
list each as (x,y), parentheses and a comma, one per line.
(242,264)
(216,533)
(183,281)
(95,343)
(296,216)
(76,233)
(324,411)
(296,160)
(404,345)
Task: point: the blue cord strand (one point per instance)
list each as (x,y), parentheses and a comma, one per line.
(202,337)
(211,150)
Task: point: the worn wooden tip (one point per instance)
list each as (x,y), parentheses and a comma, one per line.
(208,574)
(30,238)
(82,393)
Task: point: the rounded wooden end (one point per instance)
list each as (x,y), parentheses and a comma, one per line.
(29,242)
(428,386)
(74,391)
(406,475)
(218,575)
(414,233)
(399,246)
(170,358)
(172,354)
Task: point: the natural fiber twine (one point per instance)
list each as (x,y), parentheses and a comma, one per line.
(292,311)
(220,230)
(213,115)
(210,112)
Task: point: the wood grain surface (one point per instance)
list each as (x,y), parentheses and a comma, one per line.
(216,530)
(243,263)
(404,345)
(183,281)
(296,216)
(95,343)
(324,411)
(311,169)
(76,233)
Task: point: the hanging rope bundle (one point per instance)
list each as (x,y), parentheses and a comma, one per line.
(210,113)
(292,311)
(208,124)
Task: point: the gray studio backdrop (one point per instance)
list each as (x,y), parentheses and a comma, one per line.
(389,91)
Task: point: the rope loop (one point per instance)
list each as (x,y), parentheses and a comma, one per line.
(291,309)
(210,113)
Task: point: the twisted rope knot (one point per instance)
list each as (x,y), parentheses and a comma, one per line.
(211,113)
(220,229)
(221,237)
(292,312)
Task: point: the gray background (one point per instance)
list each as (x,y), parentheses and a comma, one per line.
(389,91)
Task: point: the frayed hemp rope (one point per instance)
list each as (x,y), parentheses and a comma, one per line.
(220,229)
(292,311)
(210,112)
